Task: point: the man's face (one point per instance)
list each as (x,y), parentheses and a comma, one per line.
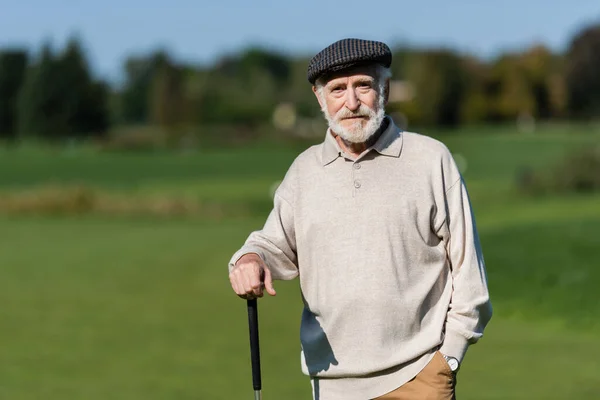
(353,104)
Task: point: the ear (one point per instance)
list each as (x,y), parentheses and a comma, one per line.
(316,92)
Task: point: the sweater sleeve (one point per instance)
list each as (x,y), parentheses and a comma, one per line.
(470,307)
(275,243)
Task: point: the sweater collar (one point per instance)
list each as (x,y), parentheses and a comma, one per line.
(389,143)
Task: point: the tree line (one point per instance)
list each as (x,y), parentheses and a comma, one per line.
(55,96)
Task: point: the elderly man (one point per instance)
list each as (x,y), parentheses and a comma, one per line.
(376,223)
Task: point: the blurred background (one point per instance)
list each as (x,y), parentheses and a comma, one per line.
(141,142)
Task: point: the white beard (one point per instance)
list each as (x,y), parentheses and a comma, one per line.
(356,133)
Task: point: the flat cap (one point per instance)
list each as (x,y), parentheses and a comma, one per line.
(348,53)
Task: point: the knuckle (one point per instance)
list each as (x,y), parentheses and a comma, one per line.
(244,268)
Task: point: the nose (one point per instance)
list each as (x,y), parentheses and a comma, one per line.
(352,102)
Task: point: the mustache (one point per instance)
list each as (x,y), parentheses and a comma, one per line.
(363,111)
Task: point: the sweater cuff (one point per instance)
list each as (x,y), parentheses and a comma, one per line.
(242,252)
(455,345)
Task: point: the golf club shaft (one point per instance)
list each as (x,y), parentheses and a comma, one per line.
(254,347)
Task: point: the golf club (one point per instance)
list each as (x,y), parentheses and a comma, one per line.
(254,347)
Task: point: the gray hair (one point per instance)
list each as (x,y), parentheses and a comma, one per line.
(382,74)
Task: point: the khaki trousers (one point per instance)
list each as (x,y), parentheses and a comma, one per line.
(435,382)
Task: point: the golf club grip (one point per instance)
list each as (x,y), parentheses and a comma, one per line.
(254,346)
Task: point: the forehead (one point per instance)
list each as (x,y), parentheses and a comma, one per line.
(354,73)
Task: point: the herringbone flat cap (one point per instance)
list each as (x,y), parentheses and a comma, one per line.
(347,53)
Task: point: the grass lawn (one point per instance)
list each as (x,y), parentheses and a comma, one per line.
(140,308)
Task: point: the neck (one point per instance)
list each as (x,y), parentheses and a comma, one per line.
(356,149)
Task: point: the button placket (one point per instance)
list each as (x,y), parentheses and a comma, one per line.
(356,181)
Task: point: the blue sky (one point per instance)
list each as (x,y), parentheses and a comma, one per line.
(202,30)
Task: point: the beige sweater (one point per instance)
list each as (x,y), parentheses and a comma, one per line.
(388,257)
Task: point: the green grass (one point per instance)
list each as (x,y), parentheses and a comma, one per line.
(129,171)
(141,308)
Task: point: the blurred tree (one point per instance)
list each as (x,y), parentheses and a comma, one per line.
(192,83)
(245,90)
(475,107)
(38,106)
(93,116)
(544,72)
(401,56)
(224,101)
(514,85)
(440,86)
(298,90)
(135,96)
(256,60)
(581,71)
(13,66)
(510,89)
(84,101)
(166,97)
(60,99)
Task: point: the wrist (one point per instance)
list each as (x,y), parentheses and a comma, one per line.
(454,345)
(248,257)
(453,363)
